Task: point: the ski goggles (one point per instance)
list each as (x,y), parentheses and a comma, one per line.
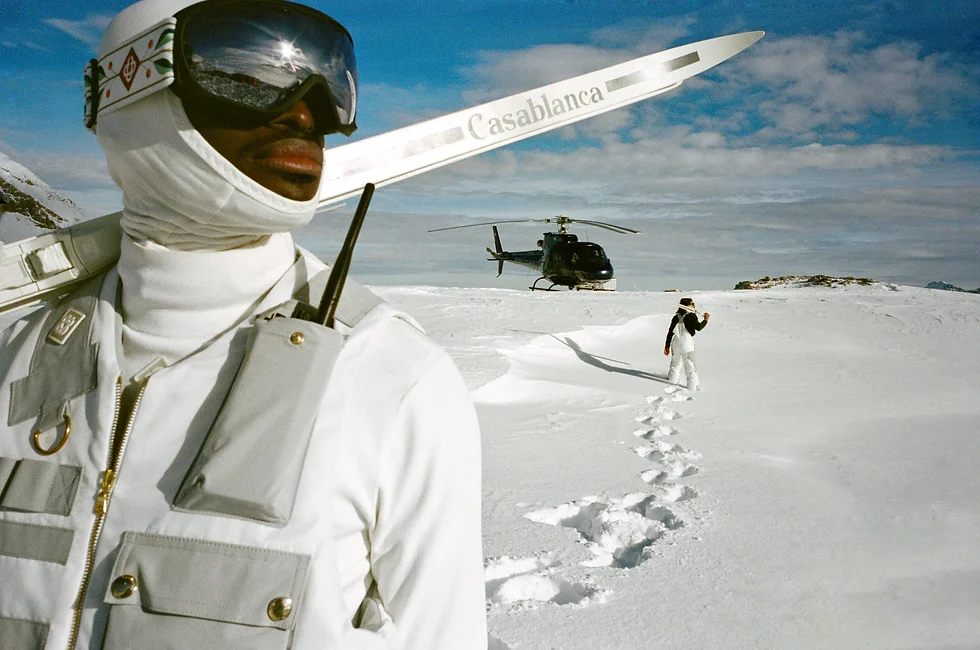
(253,59)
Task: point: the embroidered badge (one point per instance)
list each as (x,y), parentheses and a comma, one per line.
(65,326)
(129,68)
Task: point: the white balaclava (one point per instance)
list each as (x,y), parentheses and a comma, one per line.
(203,243)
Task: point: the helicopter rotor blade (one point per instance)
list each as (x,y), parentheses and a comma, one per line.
(560,220)
(622,230)
(486,223)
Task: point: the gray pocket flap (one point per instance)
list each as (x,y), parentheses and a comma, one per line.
(250,463)
(29,485)
(208,580)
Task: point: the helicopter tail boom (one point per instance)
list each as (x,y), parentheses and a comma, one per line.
(530,259)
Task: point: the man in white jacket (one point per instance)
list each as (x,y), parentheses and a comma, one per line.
(150,495)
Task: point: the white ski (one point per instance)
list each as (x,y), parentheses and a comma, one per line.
(405,152)
(36,268)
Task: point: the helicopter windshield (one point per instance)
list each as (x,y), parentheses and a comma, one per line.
(586,257)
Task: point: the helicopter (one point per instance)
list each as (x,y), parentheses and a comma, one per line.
(561,258)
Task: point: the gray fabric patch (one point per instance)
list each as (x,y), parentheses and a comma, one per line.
(46,391)
(209,580)
(33,542)
(59,371)
(251,460)
(18,634)
(31,485)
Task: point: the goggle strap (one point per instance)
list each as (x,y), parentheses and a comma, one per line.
(139,67)
(91,93)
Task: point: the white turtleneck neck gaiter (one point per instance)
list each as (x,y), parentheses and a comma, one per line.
(202,242)
(176,302)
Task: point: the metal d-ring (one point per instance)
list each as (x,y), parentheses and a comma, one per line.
(35,440)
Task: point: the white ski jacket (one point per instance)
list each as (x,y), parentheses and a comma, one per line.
(373,542)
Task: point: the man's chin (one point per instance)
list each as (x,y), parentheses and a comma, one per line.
(294,187)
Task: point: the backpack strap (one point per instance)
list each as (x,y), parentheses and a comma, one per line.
(356,301)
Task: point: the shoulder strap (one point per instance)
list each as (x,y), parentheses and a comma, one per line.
(355,301)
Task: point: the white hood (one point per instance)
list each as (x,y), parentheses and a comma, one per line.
(178,191)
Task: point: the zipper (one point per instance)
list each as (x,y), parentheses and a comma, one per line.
(117,445)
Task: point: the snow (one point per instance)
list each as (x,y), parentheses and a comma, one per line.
(37,208)
(822,491)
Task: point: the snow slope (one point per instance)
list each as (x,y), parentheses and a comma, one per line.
(821,492)
(29,206)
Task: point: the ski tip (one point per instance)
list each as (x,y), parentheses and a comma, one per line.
(746,39)
(735,43)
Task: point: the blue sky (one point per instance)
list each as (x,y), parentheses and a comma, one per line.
(845,142)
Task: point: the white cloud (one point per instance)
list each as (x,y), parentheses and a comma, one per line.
(803,88)
(681,153)
(88,31)
(819,83)
(499,74)
(34,46)
(648,39)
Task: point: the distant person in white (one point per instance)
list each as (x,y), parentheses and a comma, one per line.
(680,342)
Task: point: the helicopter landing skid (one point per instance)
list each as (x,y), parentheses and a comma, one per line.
(534,287)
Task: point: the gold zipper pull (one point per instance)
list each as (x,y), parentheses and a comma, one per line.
(105,491)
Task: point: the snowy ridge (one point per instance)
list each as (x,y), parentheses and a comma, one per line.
(28,206)
(799,281)
(945,286)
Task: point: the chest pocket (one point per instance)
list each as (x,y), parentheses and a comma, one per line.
(176,593)
(250,463)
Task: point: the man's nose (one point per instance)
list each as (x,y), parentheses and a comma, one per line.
(298,116)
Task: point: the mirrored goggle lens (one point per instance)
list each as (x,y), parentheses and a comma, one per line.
(257,55)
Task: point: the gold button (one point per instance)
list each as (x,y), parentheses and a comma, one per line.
(296,338)
(123,586)
(280,608)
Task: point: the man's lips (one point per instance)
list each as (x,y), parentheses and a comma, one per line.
(292,156)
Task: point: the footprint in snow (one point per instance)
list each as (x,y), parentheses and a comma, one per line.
(680,469)
(616,531)
(654,399)
(530,580)
(659,431)
(661,451)
(662,430)
(674,458)
(677,493)
(653,476)
(648,417)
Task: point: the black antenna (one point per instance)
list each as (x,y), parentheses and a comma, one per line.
(338,274)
